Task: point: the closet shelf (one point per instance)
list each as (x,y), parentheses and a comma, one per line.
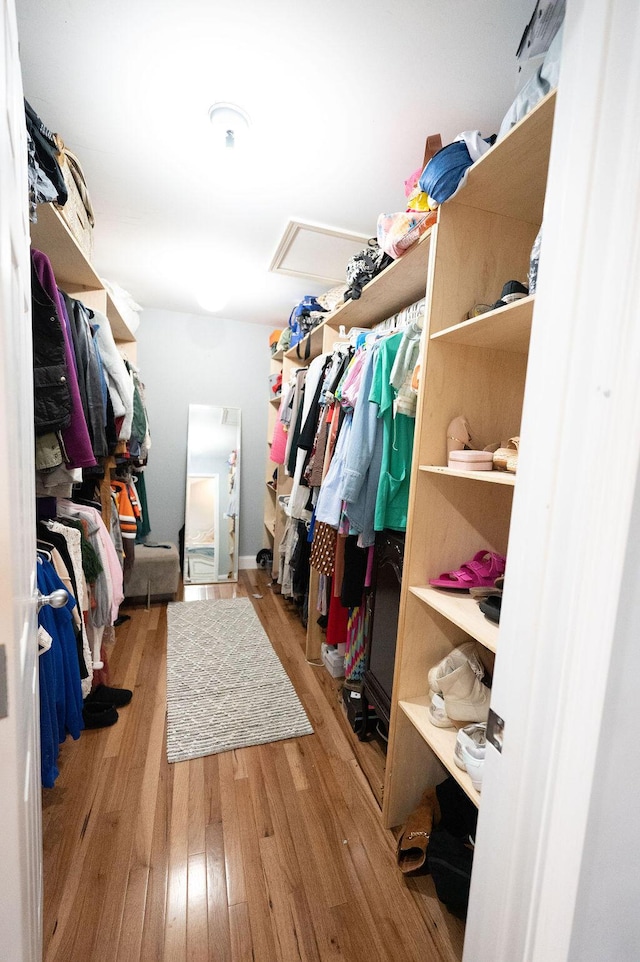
(461,610)
(271,527)
(275,400)
(510,178)
(505,329)
(70,264)
(399,285)
(315,337)
(278,355)
(442,741)
(491,477)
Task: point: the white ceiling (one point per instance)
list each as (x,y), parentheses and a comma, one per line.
(341,95)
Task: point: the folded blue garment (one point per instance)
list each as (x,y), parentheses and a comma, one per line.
(445,170)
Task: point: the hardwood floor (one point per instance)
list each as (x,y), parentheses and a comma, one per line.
(273,853)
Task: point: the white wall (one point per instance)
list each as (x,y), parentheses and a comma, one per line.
(193,359)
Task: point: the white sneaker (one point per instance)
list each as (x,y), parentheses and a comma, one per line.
(466,653)
(470,750)
(437,713)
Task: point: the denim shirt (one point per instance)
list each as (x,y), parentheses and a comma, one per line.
(361,467)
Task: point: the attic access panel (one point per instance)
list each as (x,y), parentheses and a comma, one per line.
(316,251)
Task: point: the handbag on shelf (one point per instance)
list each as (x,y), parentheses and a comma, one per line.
(77,212)
(305,316)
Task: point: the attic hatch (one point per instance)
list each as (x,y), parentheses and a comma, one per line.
(316,251)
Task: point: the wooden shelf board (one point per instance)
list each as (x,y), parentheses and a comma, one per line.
(461,610)
(275,400)
(278,355)
(315,337)
(492,477)
(399,285)
(70,265)
(505,329)
(119,328)
(271,527)
(270,487)
(510,179)
(442,741)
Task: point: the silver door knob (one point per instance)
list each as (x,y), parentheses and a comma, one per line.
(57,599)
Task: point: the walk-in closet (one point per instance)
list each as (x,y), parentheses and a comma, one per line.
(319,427)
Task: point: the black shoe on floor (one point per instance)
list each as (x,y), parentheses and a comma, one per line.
(103,695)
(99,716)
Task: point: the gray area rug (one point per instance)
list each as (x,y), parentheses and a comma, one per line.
(226,687)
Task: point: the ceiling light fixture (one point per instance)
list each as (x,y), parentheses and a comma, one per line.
(230,124)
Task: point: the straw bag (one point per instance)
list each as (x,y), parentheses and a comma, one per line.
(77,213)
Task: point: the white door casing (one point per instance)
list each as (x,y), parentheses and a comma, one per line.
(556,866)
(20,806)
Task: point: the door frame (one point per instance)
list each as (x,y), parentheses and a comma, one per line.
(555,871)
(20,796)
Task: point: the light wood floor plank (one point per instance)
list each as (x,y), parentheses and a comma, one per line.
(234,865)
(156,901)
(241,941)
(197,922)
(258,900)
(218,909)
(176,917)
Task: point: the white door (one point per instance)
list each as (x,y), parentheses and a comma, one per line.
(20,815)
(556,870)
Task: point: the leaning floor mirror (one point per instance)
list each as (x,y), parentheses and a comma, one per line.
(212,504)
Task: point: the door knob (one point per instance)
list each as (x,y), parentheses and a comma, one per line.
(57,599)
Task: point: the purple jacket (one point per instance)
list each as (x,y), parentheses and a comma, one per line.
(76,437)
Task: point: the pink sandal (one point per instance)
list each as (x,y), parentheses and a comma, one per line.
(480,572)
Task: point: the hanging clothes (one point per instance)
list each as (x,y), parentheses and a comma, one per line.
(363,461)
(60,689)
(76,438)
(392,500)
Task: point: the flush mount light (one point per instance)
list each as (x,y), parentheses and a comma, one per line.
(230,124)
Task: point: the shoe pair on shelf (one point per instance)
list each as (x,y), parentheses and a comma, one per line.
(470,750)
(480,572)
(458,692)
(101,704)
(511,291)
(465,454)
(490,599)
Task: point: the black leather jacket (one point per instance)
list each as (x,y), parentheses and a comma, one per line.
(52,398)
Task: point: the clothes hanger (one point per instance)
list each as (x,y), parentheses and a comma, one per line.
(87,503)
(44,549)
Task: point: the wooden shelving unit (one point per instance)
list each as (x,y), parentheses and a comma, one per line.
(78,278)
(400,284)
(73,271)
(477,368)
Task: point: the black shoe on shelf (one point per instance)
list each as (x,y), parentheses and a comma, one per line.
(512,291)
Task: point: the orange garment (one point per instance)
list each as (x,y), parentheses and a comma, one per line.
(128,508)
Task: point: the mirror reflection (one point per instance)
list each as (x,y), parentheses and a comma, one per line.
(212,496)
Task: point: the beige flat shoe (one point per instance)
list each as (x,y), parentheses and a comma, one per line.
(506,459)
